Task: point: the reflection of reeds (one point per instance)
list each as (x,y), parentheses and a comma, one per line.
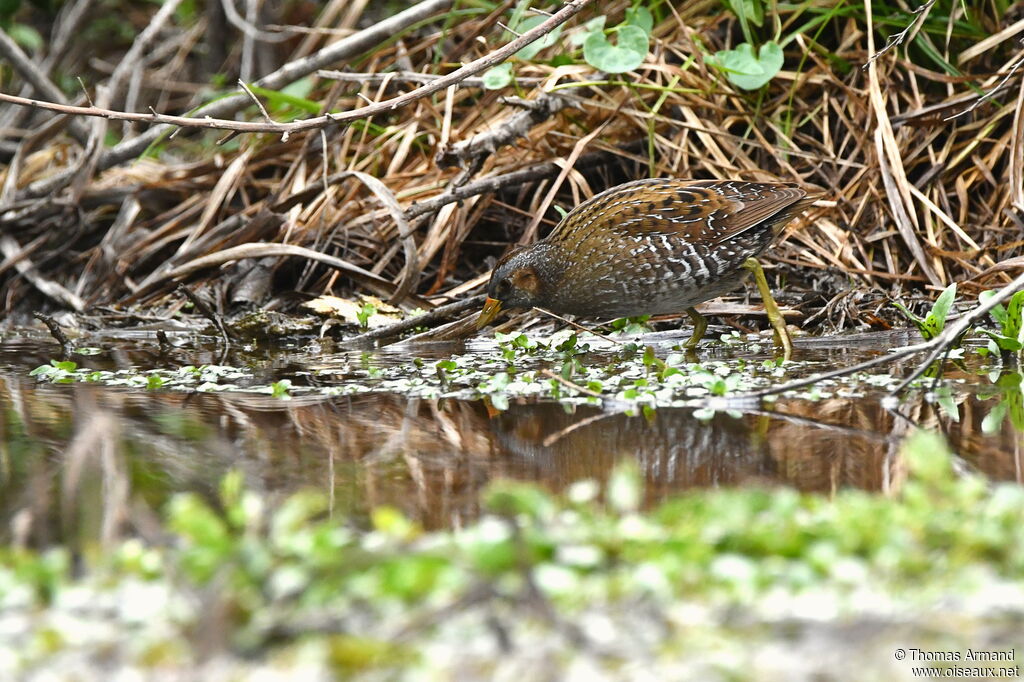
(919,197)
(90,464)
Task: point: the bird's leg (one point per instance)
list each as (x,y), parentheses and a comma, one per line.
(700,325)
(774,315)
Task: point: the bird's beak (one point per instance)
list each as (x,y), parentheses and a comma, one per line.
(492,307)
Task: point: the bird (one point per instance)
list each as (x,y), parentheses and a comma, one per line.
(651,247)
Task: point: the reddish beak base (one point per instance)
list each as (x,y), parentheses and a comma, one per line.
(492,307)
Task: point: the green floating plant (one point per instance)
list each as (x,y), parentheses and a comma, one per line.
(1006,387)
(365,313)
(932,326)
(1009,337)
(57,372)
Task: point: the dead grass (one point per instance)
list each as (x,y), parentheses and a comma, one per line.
(923,169)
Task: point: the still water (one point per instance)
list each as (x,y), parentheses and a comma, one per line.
(85,461)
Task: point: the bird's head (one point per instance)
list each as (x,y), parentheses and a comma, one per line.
(519,280)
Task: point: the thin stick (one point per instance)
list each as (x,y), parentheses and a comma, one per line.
(580,326)
(937,345)
(897,38)
(569,384)
(948,337)
(436,315)
(988,95)
(559,435)
(258,103)
(55,331)
(477,66)
(207,312)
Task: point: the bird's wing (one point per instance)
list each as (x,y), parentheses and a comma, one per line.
(708,211)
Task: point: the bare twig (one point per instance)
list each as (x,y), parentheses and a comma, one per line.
(340,50)
(942,343)
(496,57)
(569,384)
(410,77)
(937,345)
(514,127)
(257,102)
(920,14)
(55,331)
(988,95)
(203,309)
(438,314)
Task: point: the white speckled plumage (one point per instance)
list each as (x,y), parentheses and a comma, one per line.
(648,247)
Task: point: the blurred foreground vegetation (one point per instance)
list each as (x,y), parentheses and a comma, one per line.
(706,586)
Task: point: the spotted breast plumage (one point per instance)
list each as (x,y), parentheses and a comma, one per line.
(648,247)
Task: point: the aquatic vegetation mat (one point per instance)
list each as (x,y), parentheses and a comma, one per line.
(565,366)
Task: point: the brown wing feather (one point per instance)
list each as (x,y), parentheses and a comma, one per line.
(707,211)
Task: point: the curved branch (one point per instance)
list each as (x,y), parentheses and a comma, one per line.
(411,273)
(477,66)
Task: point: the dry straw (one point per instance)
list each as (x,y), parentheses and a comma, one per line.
(922,157)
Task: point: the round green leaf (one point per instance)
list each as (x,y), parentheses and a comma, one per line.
(497,77)
(626,56)
(26,36)
(744,69)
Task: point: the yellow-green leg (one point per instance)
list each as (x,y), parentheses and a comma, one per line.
(700,325)
(774,315)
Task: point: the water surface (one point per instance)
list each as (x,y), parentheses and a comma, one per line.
(86,461)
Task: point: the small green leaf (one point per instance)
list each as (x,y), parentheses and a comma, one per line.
(301,88)
(641,18)
(994,419)
(944,397)
(936,320)
(531,50)
(595,25)
(1004,342)
(744,69)
(365,313)
(628,54)
(1014,324)
(498,77)
(751,10)
(279,389)
(26,36)
(998,313)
